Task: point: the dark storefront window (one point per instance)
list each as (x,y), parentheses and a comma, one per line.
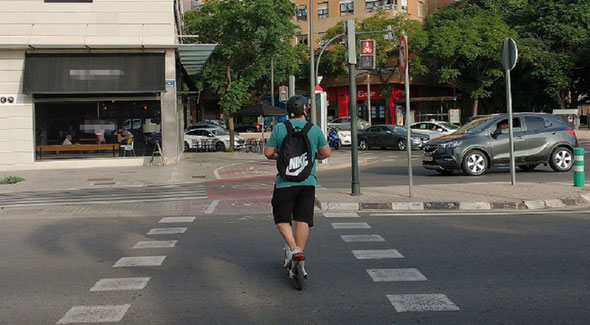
(94,123)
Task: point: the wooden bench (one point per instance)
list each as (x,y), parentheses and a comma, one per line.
(57,148)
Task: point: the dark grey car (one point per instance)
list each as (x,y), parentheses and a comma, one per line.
(383,136)
(539,138)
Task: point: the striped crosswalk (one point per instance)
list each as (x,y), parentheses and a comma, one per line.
(178,192)
(115,313)
(400,302)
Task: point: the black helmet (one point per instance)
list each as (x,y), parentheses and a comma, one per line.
(296,106)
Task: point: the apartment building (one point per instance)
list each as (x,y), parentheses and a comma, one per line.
(83,69)
(434,101)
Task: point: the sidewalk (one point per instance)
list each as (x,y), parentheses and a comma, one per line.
(199,167)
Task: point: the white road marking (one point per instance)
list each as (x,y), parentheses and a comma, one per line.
(120,284)
(341,215)
(166,231)
(140,261)
(155,244)
(350,225)
(362,238)
(376,254)
(422,302)
(396,275)
(94,314)
(176,219)
(212,207)
(443,213)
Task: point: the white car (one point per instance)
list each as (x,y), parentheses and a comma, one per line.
(434,129)
(343,123)
(210,139)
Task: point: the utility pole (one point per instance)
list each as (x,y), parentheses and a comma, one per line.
(352,109)
(369,96)
(312,80)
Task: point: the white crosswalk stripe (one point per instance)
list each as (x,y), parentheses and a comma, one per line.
(350,225)
(155,244)
(395,275)
(422,302)
(120,284)
(140,261)
(167,231)
(376,254)
(177,219)
(94,314)
(362,238)
(341,215)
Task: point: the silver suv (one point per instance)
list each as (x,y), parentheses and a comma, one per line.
(539,138)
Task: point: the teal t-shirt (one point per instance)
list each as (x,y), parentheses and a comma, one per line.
(316,140)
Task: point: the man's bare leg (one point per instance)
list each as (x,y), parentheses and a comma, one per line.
(287,233)
(301,234)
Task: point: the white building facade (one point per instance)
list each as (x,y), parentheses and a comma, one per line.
(84,69)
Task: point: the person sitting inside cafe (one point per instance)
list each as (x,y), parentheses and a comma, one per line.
(67,140)
(123,136)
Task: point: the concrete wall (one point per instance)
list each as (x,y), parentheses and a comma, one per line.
(102,22)
(16,121)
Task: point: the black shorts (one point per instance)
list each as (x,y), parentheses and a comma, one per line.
(293,203)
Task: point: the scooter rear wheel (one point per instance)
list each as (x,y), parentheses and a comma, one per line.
(299,276)
(337,145)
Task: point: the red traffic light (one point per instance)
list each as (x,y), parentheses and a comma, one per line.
(367,47)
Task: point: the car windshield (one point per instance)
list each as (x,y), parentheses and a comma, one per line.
(475,126)
(219,132)
(401,129)
(450,126)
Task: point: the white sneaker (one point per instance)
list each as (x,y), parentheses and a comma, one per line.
(289,255)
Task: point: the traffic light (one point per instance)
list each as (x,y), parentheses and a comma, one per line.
(367,54)
(283,96)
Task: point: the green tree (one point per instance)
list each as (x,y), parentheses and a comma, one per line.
(249,34)
(463,50)
(555,37)
(333,61)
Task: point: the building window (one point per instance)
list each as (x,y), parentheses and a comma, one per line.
(301,13)
(346,7)
(390,4)
(420,9)
(302,39)
(322,10)
(405,5)
(373,5)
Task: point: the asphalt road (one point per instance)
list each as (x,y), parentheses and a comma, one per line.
(487,269)
(390,167)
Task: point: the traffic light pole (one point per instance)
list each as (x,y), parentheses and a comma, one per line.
(312,77)
(352,110)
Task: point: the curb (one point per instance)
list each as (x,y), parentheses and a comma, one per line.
(580,200)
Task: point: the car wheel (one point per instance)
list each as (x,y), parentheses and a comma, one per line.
(445,172)
(187,147)
(364,144)
(561,159)
(475,163)
(401,145)
(529,167)
(219,146)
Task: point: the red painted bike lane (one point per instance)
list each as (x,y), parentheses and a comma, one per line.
(244,188)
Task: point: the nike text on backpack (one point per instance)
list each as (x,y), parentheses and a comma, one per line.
(294,162)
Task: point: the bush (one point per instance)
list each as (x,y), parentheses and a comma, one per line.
(11,180)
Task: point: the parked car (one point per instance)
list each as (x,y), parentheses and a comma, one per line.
(343,123)
(219,138)
(539,138)
(206,124)
(247,127)
(384,136)
(434,129)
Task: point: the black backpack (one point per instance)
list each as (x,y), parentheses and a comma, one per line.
(294,162)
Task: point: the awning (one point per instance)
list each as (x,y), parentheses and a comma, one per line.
(94,73)
(194,56)
(427,99)
(260,110)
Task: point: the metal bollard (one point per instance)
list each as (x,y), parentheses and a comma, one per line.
(579,174)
